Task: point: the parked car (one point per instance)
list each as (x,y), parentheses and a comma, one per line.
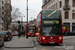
(6,34)
(1,41)
(15,33)
(12,33)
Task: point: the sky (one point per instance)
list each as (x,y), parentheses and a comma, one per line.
(34,7)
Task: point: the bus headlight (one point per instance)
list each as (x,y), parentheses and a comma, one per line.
(43,38)
(37,33)
(28,33)
(60,38)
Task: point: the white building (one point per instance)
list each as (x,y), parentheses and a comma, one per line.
(1,14)
(67,8)
(15,24)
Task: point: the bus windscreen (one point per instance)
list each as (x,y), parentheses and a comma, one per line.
(51,23)
(32,24)
(32,29)
(52,31)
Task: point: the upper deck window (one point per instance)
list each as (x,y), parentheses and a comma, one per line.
(51,14)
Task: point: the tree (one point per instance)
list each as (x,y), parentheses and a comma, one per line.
(15,13)
(14,27)
(8,19)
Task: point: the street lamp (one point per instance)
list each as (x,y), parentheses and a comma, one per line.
(27,19)
(22,21)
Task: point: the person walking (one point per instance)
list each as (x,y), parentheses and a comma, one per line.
(64,31)
(19,31)
(67,31)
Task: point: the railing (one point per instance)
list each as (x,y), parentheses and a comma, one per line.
(66,7)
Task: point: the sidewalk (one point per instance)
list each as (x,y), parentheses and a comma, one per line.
(21,42)
(68,37)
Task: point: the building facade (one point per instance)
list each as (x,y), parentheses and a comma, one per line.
(14,25)
(67,8)
(1,14)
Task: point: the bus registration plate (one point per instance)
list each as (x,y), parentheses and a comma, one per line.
(32,35)
(52,42)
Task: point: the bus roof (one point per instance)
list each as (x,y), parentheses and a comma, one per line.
(49,9)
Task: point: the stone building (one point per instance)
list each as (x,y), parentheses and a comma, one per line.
(67,8)
(14,24)
(1,14)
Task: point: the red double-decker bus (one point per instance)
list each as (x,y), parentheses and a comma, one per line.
(49,27)
(31,29)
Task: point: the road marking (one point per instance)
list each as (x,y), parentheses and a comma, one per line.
(64,44)
(34,47)
(36,43)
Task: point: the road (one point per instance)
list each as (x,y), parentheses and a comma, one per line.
(68,44)
(6,42)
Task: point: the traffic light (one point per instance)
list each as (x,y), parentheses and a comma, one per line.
(18,22)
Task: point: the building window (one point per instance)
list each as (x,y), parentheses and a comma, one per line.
(48,0)
(67,2)
(52,6)
(60,4)
(67,25)
(2,8)
(7,8)
(6,13)
(73,27)
(56,5)
(45,1)
(73,3)
(2,24)
(66,15)
(2,2)
(6,1)
(73,15)
(2,29)
(2,13)
(73,10)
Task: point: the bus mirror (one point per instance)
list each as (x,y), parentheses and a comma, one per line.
(64,27)
(38,29)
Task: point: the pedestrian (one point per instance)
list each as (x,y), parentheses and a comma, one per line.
(64,31)
(67,31)
(23,32)
(19,32)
